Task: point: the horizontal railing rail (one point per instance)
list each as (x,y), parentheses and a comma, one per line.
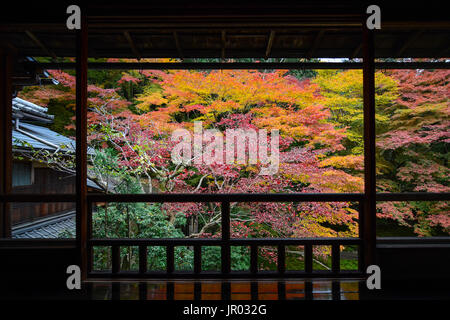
(227,197)
(413,240)
(413,196)
(54,243)
(231,197)
(217,242)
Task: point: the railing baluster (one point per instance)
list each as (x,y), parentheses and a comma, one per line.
(308,258)
(225,220)
(170,259)
(226,263)
(142,259)
(281,258)
(197,259)
(335,258)
(226,257)
(254,259)
(360,258)
(115,259)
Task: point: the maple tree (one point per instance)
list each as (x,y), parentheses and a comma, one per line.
(261,100)
(414,149)
(253,99)
(343,96)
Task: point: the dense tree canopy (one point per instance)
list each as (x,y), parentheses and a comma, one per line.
(414,150)
(319,117)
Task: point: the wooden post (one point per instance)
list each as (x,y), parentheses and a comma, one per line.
(81,142)
(308,258)
(369,227)
(170,265)
(225,252)
(335,258)
(254,259)
(115,259)
(6,70)
(281,263)
(142,259)
(197,259)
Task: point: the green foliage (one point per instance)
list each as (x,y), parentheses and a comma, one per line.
(240,258)
(63,118)
(343,96)
(138,220)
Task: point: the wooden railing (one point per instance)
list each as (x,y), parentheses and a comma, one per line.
(225,242)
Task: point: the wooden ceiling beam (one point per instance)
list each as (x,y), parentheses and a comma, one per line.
(443,52)
(246,65)
(41,45)
(316,43)
(177,45)
(269,44)
(132,45)
(224,43)
(409,40)
(356,51)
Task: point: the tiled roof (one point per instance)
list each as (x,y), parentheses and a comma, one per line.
(26,112)
(28,109)
(48,227)
(37,134)
(22,140)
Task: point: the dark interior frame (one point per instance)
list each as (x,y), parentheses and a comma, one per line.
(84,201)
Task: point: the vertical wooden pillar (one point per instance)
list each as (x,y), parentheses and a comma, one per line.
(226,234)
(369,220)
(6,71)
(81,141)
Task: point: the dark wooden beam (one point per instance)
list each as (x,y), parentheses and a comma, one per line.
(226,234)
(407,43)
(132,45)
(369,212)
(226,276)
(316,43)
(7,46)
(243,66)
(232,197)
(81,143)
(443,52)
(229,197)
(177,45)
(269,44)
(41,45)
(6,67)
(224,44)
(356,51)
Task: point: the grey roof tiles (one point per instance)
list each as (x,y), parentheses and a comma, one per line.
(49,227)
